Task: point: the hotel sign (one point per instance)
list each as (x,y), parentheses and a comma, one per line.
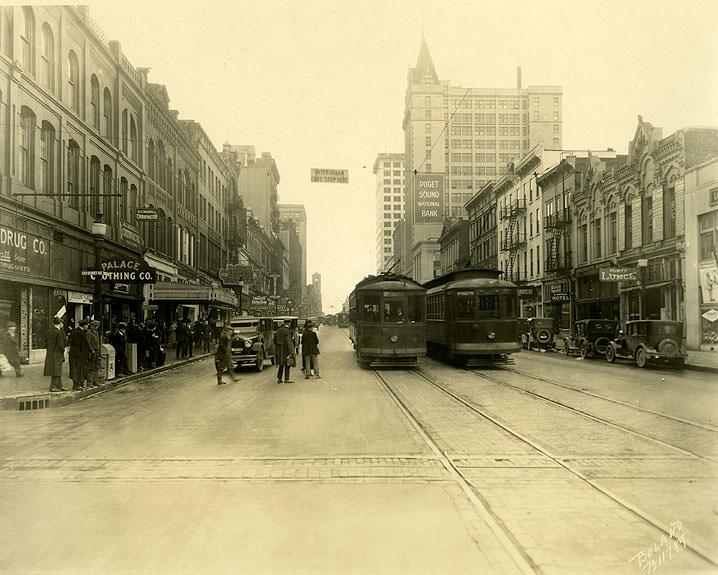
(429,198)
(330,176)
(618,274)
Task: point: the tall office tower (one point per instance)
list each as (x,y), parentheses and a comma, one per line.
(389,172)
(298,215)
(458,139)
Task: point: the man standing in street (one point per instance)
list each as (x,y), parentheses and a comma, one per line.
(94,374)
(310,351)
(285,347)
(55,355)
(79,355)
(223,356)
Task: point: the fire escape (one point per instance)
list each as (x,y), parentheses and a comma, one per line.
(514,240)
(558,261)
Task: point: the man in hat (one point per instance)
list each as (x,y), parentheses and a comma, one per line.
(285,350)
(79,355)
(55,355)
(8,347)
(310,351)
(94,371)
(118,340)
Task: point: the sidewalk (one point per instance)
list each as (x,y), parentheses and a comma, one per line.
(702,361)
(31,391)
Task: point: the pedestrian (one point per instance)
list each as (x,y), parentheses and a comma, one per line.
(171,337)
(94,372)
(223,357)
(55,354)
(8,348)
(79,355)
(190,337)
(285,350)
(118,340)
(310,351)
(182,334)
(206,336)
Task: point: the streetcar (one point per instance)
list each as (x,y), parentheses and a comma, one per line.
(342,319)
(472,317)
(387,322)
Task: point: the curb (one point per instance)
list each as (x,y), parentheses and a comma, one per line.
(703,368)
(61,399)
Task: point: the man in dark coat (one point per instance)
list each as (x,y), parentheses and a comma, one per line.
(55,355)
(310,351)
(118,340)
(94,371)
(79,355)
(223,356)
(182,334)
(285,350)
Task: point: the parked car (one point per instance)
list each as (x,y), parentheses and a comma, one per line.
(252,341)
(590,337)
(646,341)
(539,333)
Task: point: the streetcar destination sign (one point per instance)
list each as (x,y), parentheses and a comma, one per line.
(617,274)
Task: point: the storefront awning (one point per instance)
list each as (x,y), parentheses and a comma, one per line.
(191,294)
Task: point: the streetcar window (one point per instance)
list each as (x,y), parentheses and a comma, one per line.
(416,308)
(465,305)
(488,306)
(508,306)
(394,311)
(370,308)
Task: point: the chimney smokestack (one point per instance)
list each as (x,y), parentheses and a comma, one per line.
(518,77)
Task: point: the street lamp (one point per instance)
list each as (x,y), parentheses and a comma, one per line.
(99,229)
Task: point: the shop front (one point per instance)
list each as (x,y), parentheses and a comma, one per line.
(530,301)
(596,297)
(192,302)
(557,298)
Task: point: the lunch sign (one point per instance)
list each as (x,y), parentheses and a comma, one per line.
(618,274)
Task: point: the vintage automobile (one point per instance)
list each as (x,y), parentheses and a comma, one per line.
(539,333)
(646,341)
(590,337)
(252,341)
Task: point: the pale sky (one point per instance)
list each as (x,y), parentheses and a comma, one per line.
(321,84)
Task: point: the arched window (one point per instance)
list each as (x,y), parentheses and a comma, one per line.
(6,32)
(73,81)
(26,147)
(95,206)
(47,158)
(133,139)
(27,39)
(123,200)
(107,202)
(73,174)
(169,236)
(107,112)
(95,102)
(133,203)
(151,158)
(123,143)
(161,164)
(47,59)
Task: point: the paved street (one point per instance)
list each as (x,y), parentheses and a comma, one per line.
(552,465)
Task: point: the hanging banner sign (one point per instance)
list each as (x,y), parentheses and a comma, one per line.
(617,274)
(330,176)
(429,198)
(147,214)
(235,274)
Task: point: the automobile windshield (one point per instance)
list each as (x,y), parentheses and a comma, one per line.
(542,323)
(244,326)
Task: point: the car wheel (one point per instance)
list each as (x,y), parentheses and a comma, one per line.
(260,361)
(610,354)
(584,350)
(641,358)
(601,345)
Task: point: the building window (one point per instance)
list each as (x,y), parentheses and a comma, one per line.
(555,102)
(707,228)
(47,158)
(427,101)
(133,139)
(95,102)
(612,233)
(107,113)
(597,253)
(428,140)
(628,225)
(47,59)
(73,174)
(555,116)
(538,260)
(123,135)
(26,147)
(669,212)
(27,39)
(536,114)
(427,114)
(73,81)
(584,243)
(647,220)
(123,201)
(96,206)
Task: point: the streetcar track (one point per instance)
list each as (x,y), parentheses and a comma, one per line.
(504,535)
(561,462)
(594,417)
(609,399)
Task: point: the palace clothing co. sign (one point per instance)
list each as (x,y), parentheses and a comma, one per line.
(124,271)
